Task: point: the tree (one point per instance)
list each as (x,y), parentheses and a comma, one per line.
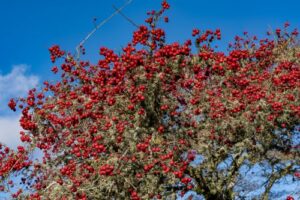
(130,126)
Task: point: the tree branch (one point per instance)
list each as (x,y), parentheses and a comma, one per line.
(99,26)
(127,18)
(273,178)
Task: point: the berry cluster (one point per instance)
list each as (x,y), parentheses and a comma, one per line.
(55,52)
(133,121)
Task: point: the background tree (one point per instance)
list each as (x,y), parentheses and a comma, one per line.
(130,126)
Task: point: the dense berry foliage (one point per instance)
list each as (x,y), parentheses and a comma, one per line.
(129,126)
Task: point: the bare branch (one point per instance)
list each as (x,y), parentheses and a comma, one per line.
(99,26)
(127,18)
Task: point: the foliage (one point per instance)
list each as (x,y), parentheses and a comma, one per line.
(129,126)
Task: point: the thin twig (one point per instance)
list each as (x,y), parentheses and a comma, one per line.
(99,26)
(127,18)
(52,183)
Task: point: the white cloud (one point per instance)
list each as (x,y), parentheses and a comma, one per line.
(9,130)
(14,84)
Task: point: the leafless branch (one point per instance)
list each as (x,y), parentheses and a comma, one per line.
(127,18)
(99,26)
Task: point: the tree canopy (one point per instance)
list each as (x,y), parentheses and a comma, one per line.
(131,125)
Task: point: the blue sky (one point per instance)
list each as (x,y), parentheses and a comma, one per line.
(29,28)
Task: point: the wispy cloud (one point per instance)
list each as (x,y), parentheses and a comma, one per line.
(14,84)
